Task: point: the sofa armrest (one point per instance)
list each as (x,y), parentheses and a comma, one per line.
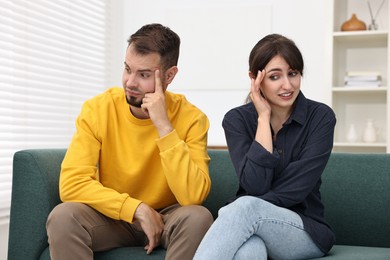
(34,195)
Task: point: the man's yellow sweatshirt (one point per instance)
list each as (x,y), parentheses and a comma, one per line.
(116,161)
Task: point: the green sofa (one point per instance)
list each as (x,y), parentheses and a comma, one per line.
(355,190)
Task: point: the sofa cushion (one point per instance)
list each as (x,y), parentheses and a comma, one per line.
(357,253)
(356,194)
(224,183)
(133,253)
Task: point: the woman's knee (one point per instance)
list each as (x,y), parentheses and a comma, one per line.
(243,205)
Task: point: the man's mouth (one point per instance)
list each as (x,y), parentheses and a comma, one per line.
(133,92)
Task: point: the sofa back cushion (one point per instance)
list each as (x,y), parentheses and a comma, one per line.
(224,183)
(356,194)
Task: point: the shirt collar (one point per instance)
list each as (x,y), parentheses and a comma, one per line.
(300,110)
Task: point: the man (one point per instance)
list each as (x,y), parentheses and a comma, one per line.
(137,167)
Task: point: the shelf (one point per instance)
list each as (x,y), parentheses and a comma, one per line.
(354,51)
(359,89)
(361,36)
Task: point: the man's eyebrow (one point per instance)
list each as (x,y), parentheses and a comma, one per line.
(140,71)
(145,70)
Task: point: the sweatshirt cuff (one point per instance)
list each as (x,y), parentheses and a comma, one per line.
(128,209)
(168,141)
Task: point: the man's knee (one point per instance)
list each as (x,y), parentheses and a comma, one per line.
(63,218)
(196,215)
(195,219)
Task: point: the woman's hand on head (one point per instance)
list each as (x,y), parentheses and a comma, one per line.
(257,95)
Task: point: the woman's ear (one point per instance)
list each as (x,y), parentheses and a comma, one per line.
(251,75)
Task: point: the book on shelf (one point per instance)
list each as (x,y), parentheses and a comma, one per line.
(362,79)
(363,84)
(362,73)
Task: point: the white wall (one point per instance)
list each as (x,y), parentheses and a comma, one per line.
(3,240)
(217,37)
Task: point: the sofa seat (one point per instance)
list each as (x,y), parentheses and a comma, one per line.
(340,252)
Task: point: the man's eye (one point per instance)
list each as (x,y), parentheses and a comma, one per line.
(145,75)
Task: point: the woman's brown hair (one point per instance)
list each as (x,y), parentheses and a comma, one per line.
(271,46)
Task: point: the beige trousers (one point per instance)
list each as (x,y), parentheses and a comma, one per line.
(76,230)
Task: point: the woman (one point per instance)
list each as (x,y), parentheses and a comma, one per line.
(279,143)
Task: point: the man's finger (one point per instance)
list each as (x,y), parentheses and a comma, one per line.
(149,251)
(150,247)
(145,109)
(158,85)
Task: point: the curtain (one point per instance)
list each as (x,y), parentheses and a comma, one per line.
(53,56)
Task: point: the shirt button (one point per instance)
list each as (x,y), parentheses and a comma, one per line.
(280,151)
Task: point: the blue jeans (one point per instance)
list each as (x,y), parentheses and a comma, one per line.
(252,228)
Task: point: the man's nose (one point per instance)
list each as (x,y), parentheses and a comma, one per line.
(131,80)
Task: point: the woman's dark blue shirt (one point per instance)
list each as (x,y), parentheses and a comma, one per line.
(290,177)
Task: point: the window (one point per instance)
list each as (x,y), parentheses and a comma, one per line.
(53,56)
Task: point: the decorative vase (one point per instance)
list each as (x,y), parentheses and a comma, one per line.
(353,24)
(352,135)
(369,135)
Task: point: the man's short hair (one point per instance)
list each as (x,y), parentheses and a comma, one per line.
(159,39)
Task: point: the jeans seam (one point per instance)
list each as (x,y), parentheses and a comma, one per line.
(277,221)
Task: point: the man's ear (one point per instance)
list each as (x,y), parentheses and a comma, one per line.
(170,74)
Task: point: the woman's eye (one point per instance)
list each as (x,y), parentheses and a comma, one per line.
(293,73)
(274,77)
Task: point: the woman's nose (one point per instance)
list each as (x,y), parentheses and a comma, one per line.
(287,83)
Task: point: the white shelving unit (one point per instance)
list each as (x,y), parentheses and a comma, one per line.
(359,51)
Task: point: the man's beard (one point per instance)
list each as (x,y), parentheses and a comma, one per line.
(132,101)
